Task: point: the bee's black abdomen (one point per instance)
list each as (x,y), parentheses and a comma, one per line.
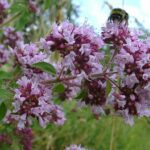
(114,17)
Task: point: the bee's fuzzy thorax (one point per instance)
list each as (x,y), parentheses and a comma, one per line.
(118,15)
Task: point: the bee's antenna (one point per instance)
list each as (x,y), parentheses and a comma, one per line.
(109,5)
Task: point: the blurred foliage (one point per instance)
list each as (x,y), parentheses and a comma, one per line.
(35,21)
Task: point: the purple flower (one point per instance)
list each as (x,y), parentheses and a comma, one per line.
(32,99)
(32,6)
(115,34)
(133,63)
(28,54)
(12,37)
(4,55)
(78,45)
(49,113)
(67,37)
(3,6)
(94,95)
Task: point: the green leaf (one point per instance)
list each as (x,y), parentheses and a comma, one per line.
(23,20)
(5,94)
(18,6)
(108,87)
(5,75)
(46,67)
(57,101)
(47,4)
(3,110)
(82,94)
(59,88)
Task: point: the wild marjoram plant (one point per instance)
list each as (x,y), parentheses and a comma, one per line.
(72,63)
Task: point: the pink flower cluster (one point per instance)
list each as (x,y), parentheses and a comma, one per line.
(28,54)
(33,100)
(11,37)
(32,6)
(3,6)
(96,94)
(78,45)
(133,63)
(4,55)
(115,34)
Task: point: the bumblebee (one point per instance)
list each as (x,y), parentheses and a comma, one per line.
(118,15)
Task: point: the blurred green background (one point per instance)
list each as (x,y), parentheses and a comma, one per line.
(107,133)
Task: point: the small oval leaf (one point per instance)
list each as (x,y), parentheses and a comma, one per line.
(59,88)
(46,67)
(108,87)
(3,110)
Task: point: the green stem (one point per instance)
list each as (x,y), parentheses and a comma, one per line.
(110,61)
(112,140)
(59,80)
(114,83)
